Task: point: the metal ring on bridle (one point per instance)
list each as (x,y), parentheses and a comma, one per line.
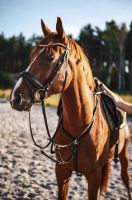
(37,94)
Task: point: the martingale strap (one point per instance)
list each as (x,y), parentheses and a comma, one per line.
(75,141)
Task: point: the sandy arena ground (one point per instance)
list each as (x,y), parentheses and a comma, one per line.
(25,174)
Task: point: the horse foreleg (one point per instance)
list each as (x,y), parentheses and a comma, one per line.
(124,167)
(94,180)
(63,176)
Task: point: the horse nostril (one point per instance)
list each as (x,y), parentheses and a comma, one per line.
(18,99)
(19,102)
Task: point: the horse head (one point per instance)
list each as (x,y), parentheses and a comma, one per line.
(48,72)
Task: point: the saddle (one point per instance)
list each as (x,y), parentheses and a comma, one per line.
(116,118)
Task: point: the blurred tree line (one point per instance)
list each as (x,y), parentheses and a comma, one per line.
(109,52)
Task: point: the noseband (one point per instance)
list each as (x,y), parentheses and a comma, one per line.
(43,89)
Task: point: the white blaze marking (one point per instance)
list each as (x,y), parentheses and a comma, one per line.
(18,83)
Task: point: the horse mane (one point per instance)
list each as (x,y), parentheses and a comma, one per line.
(82,58)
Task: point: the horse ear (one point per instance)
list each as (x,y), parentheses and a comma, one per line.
(45,29)
(59,28)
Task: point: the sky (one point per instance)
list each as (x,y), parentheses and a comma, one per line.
(24,15)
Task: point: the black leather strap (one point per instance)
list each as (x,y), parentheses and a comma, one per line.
(31,79)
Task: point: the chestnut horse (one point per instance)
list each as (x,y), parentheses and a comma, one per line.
(60,66)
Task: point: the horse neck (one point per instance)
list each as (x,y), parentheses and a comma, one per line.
(78,100)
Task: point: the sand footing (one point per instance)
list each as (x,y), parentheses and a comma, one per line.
(25,174)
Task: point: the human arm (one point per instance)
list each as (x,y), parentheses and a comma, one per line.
(120,103)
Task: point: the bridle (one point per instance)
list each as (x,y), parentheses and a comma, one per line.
(43,89)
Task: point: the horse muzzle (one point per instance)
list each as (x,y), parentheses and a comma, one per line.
(18,102)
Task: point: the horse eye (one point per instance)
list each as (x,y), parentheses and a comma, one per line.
(50,58)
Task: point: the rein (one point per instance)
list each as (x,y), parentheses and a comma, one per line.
(31,80)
